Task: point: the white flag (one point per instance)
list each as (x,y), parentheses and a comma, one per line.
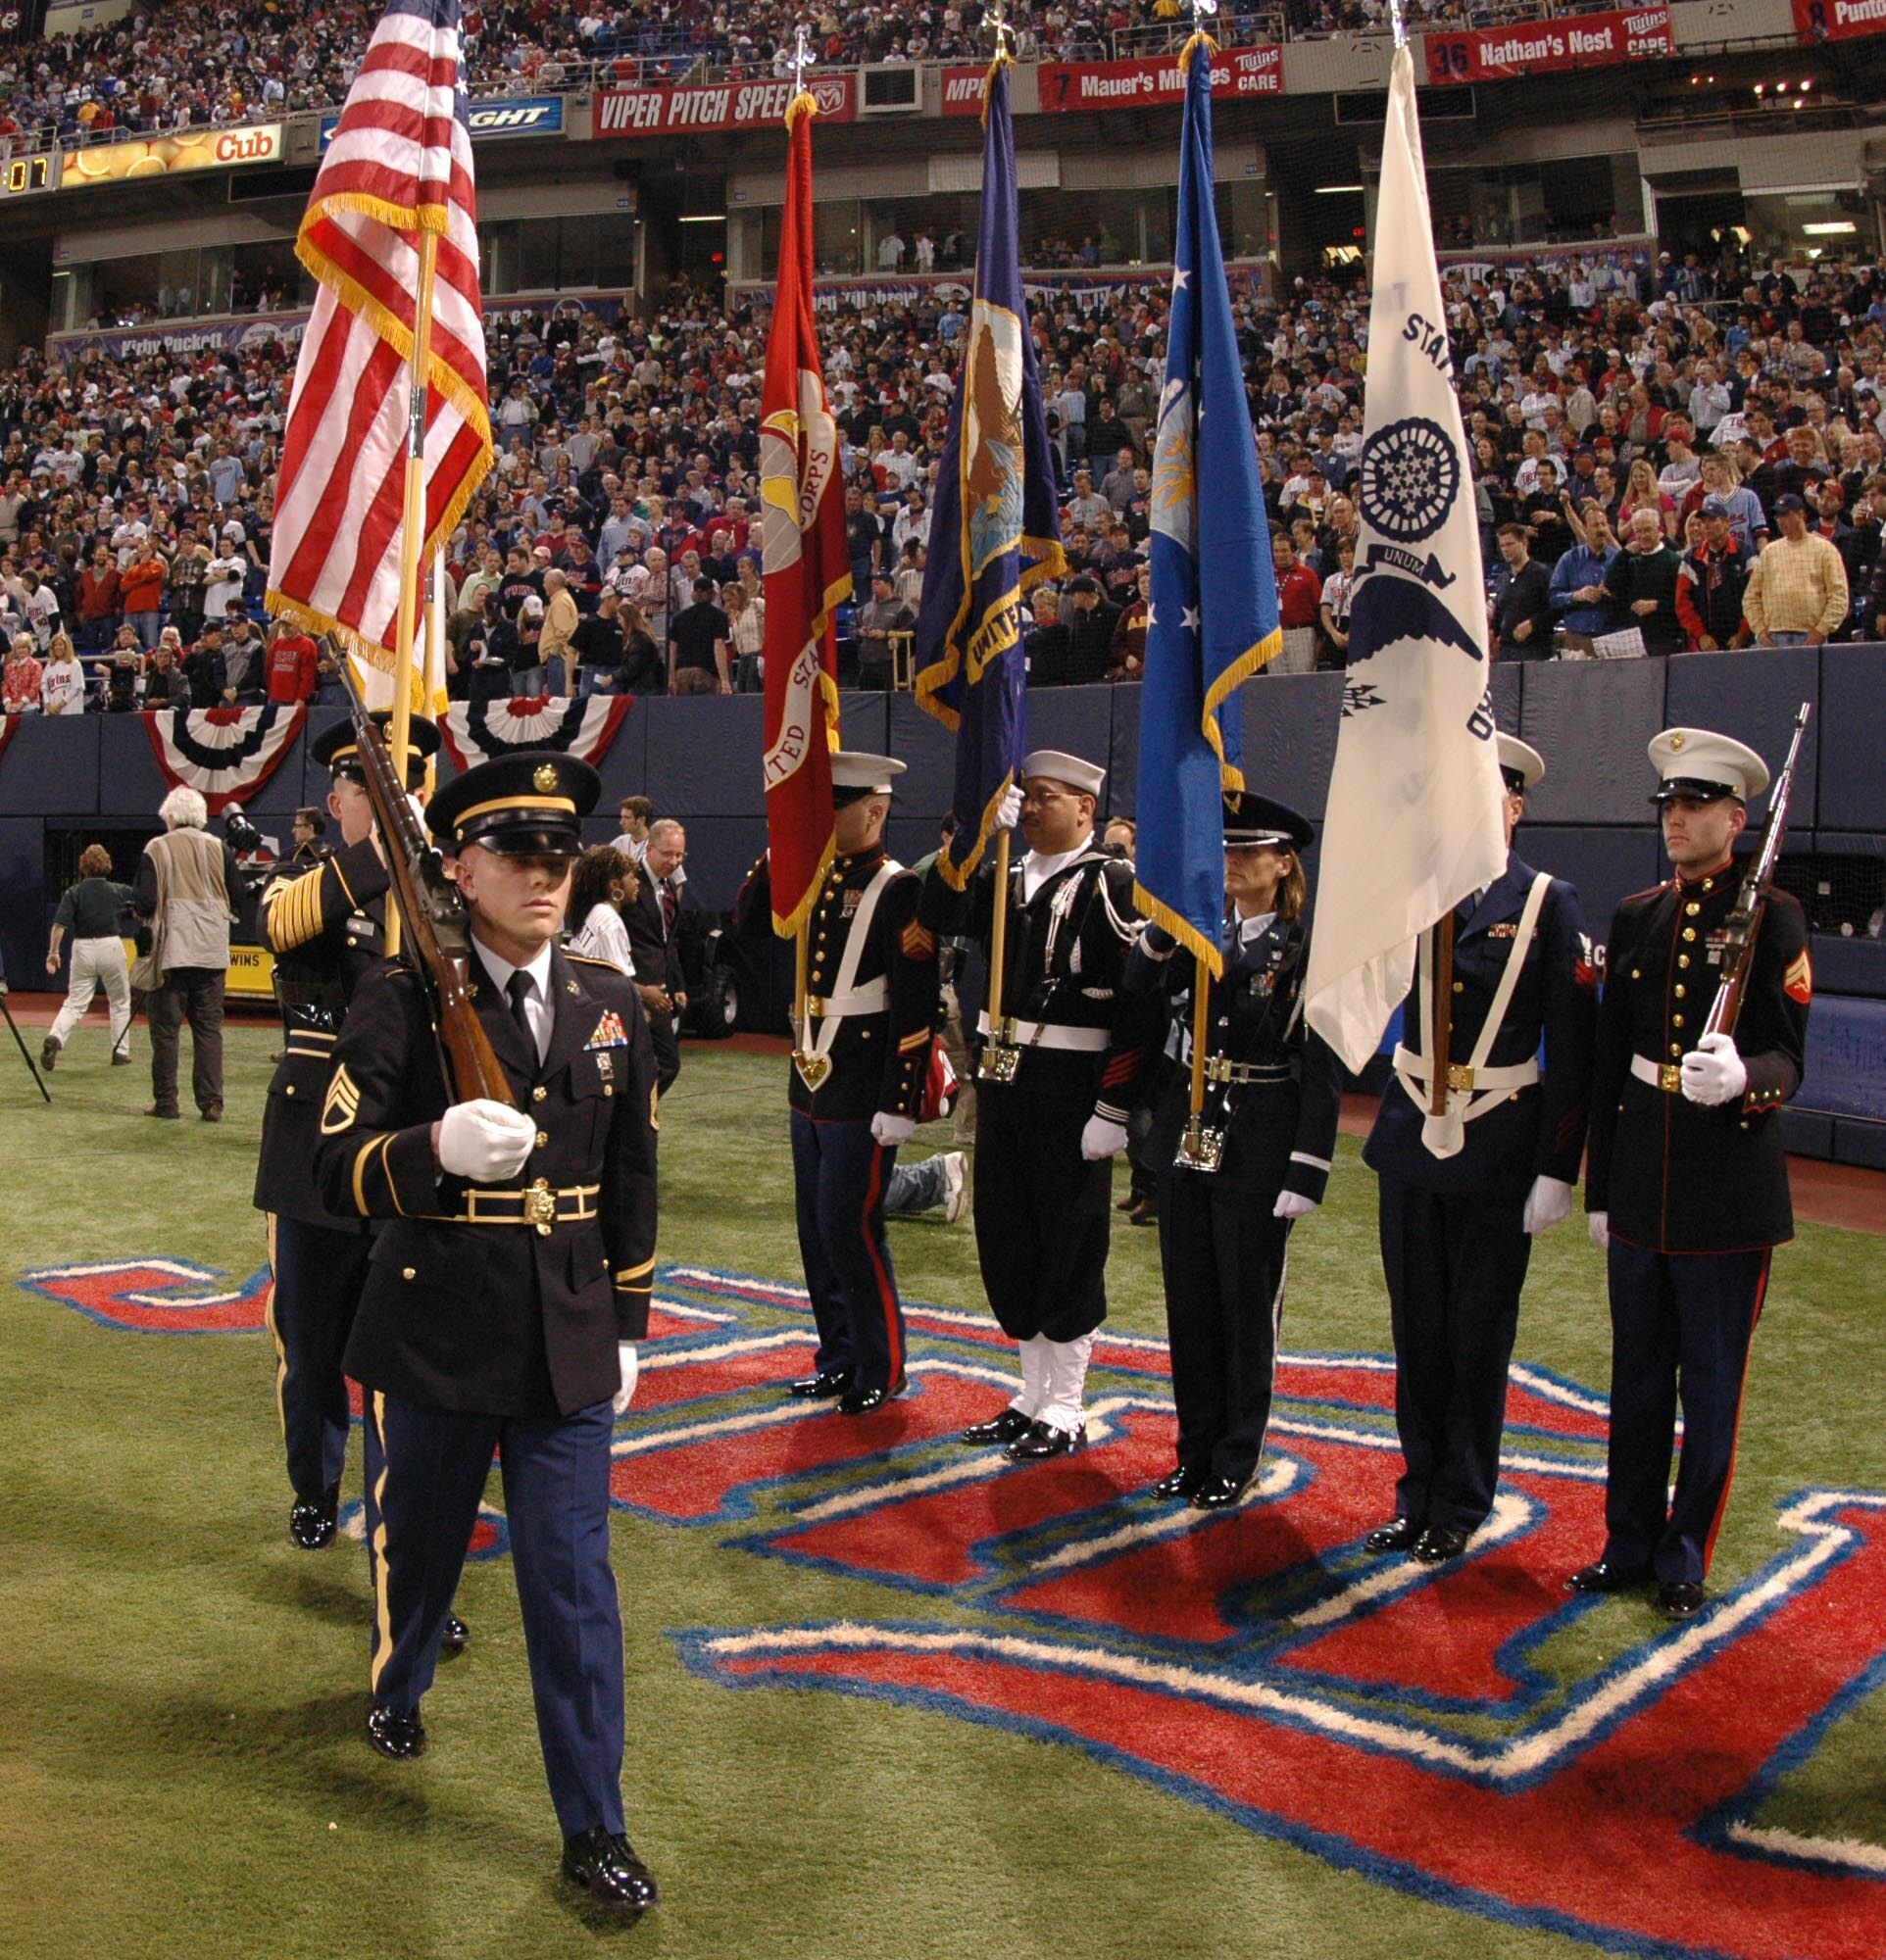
(1415,822)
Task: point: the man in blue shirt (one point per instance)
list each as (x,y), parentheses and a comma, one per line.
(1582,606)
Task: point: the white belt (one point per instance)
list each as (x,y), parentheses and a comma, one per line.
(873,998)
(1664,1075)
(1051,1034)
(1465,1077)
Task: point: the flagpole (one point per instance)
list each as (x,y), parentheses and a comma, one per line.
(1193,1148)
(1440,1018)
(412,531)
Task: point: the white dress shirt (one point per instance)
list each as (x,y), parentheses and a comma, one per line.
(539,1009)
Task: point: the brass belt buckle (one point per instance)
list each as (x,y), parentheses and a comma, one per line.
(1200,1149)
(1669,1078)
(1000,1056)
(1460,1075)
(540,1207)
(815,1006)
(812,1068)
(1217,1068)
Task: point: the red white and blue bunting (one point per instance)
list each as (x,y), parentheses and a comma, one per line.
(227,753)
(475,731)
(9,728)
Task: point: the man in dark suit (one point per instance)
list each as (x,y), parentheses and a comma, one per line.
(508,1285)
(1462,1195)
(650,921)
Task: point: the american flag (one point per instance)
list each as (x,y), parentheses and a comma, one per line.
(399,165)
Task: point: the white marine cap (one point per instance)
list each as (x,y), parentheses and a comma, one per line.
(1060,767)
(1521,759)
(855,774)
(1697,762)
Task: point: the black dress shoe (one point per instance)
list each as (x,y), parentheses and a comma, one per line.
(1437,1544)
(1398,1535)
(1042,1440)
(1217,1494)
(1679,1598)
(1179,1482)
(456,1637)
(604,1863)
(1006,1427)
(1601,1576)
(311,1520)
(821,1387)
(860,1401)
(396,1732)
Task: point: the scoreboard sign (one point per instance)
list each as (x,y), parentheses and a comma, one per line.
(1547,46)
(725,105)
(171,156)
(22,175)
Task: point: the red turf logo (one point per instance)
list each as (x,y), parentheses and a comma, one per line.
(155,1296)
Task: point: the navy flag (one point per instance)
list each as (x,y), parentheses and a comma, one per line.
(1204,637)
(995,529)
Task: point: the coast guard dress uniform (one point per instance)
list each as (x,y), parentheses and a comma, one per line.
(854,1086)
(326,928)
(1462,1195)
(1688,1183)
(1273,1093)
(496,1310)
(1080,1044)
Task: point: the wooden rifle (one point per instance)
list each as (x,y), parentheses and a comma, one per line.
(1736,954)
(432,914)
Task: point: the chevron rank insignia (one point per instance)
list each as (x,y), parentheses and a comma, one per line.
(608,1032)
(341,1105)
(1798,983)
(918,942)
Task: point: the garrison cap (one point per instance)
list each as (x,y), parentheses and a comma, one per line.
(1251,819)
(1060,767)
(338,751)
(1521,764)
(855,775)
(1695,763)
(529,804)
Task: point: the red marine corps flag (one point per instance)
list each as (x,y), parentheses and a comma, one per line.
(396,175)
(808,564)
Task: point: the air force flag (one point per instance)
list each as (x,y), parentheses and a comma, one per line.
(1414,823)
(1204,637)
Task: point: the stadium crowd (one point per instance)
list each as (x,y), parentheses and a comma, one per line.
(1650,461)
(191,64)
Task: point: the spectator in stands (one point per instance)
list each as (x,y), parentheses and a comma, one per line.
(1126,655)
(1827,519)
(1714,575)
(1584,607)
(1642,580)
(1089,621)
(1523,608)
(244,667)
(62,686)
(487,650)
(293,665)
(746,636)
(1299,603)
(19,686)
(1643,493)
(597,647)
(98,604)
(1796,593)
(883,615)
(560,618)
(697,646)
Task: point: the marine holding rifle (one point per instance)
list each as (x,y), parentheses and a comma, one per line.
(1701,1041)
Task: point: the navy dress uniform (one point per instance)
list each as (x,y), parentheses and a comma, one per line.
(1462,1194)
(854,1085)
(325,927)
(1272,1097)
(1688,1182)
(495,1311)
(1081,1044)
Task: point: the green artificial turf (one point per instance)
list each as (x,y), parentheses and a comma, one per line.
(180,1756)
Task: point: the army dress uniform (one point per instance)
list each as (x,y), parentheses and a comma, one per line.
(492,1316)
(1081,1045)
(1695,1197)
(325,927)
(1461,1196)
(1273,1094)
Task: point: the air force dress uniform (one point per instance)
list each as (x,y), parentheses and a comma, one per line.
(492,1318)
(1080,1044)
(1460,1195)
(1273,1093)
(854,1086)
(326,928)
(1688,1183)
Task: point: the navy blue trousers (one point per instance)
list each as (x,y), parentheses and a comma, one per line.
(1680,1330)
(428,1472)
(318,1273)
(1455,1267)
(838,1180)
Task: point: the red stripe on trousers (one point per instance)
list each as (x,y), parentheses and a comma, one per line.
(886,1292)
(1748,1355)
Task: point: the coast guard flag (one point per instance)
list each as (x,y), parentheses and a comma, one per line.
(995,529)
(1204,637)
(1414,823)
(399,166)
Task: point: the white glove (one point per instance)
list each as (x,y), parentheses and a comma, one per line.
(483,1140)
(1008,812)
(1599,1225)
(888,1130)
(1713,1072)
(1102,1139)
(1548,1203)
(1293,1205)
(631,1372)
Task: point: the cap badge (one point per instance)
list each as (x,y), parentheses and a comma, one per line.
(546,777)
(1677,740)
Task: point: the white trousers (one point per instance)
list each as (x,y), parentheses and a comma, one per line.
(96,963)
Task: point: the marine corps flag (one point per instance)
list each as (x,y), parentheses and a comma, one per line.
(1414,823)
(807,563)
(995,529)
(1203,638)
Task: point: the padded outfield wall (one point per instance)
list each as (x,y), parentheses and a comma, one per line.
(1588,822)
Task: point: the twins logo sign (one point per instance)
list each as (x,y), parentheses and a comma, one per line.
(1421,1727)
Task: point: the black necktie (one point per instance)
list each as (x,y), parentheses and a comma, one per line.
(518,988)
